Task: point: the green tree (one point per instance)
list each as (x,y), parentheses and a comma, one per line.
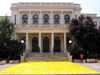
(75,51)
(85,34)
(8,47)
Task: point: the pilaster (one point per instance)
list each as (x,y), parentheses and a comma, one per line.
(30,18)
(51,20)
(40,18)
(18,18)
(62,17)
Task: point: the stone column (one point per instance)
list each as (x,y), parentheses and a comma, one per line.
(40,42)
(65,43)
(52,42)
(62,17)
(51,20)
(29,18)
(27,41)
(40,18)
(73,15)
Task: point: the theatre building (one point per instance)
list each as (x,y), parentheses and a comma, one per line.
(44,28)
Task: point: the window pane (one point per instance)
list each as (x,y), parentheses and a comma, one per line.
(24,19)
(46,19)
(67,19)
(56,19)
(35,19)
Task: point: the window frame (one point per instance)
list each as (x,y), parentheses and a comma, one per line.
(67,20)
(35,19)
(24,19)
(56,19)
(45,19)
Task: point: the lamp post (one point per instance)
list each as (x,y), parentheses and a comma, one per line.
(70,42)
(22,41)
(70,56)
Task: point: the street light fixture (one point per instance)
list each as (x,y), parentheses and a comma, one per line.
(22,41)
(70,41)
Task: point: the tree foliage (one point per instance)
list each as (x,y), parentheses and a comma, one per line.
(8,47)
(85,34)
(75,51)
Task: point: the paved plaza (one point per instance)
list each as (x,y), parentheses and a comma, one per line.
(6,66)
(46,68)
(93,66)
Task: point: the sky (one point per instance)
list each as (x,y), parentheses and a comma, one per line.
(88,6)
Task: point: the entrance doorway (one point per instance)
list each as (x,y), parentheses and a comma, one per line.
(35,45)
(45,44)
(57,44)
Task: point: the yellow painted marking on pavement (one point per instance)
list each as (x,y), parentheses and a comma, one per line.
(48,68)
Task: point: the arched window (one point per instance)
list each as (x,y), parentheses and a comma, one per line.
(56,19)
(67,19)
(35,19)
(46,19)
(25,19)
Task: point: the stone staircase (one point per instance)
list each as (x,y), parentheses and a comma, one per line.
(36,57)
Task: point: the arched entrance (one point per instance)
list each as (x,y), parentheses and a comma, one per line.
(57,44)
(35,45)
(45,44)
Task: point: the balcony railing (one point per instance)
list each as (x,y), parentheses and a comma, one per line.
(41,26)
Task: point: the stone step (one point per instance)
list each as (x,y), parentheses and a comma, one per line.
(46,55)
(30,59)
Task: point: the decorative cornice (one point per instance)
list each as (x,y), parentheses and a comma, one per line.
(44,5)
